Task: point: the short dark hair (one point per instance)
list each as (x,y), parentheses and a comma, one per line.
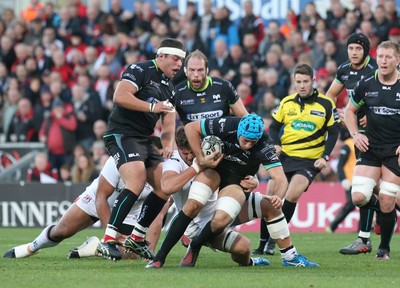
(304,69)
(181,139)
(173,43)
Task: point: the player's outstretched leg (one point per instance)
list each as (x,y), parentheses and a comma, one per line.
(21,251)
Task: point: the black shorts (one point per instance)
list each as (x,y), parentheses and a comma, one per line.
(126,149)
(378,157)
(302,166)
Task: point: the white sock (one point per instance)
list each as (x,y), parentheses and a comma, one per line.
(42,241)
(289,255)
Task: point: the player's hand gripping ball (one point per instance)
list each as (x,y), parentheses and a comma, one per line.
(211,144)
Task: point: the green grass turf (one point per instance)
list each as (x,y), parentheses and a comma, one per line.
(50,268)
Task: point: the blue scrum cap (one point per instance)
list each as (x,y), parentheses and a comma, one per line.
(251,127)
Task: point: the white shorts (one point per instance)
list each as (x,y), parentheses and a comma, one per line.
(87,203)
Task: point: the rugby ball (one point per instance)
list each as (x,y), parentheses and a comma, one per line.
(211,144)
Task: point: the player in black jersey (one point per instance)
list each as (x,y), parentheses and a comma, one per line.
(246,147)
(349,73)
(201,97)
(379,158)
(141,99)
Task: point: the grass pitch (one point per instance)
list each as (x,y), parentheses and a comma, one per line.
(50,268)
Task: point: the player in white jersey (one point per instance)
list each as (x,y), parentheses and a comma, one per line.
(176,180)
(92,205)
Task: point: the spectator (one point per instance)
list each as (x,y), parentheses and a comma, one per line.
(8,16)
(98,150)
(381,24)
(246,76)
(7,53)
(3,79)
(41,171)
(51,17)
(87,111)
(120,16)
(58,132)
(235,58)
(83,170)
(21,128)
(34,34)
(250,50)
(317,51)
(62,67)
(204,22)
(191,40)
(274,36)
(34,10)
(65,173)
(49,41)
(9,108)
(221,27)
(270,83)
(265,107)
(244,92)
(251,23)
(219,59)
(42,108)
(99,128)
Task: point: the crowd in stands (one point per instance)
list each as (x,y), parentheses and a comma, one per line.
(59,65)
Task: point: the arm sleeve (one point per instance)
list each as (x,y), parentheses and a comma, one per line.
(274,129)
(344,155)
(333,133)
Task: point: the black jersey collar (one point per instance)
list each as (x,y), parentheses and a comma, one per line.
(366,61)
(158,69)
(311,99)
(208,83)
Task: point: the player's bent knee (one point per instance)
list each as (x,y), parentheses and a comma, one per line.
(363,185)
(389,189)
(278,227)
(254,205)
(200,192)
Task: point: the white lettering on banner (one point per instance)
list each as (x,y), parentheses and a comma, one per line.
(321,214)
(272,9)
(32,214)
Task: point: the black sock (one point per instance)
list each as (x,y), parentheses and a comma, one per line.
(264,234)
(151,207)
(284,250)
(122,206)
(174,233)
(342,214)
(288,209)
(205,235)
(366,217)
(373,203)
(387,222)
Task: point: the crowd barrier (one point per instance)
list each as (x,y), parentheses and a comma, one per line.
(40,205)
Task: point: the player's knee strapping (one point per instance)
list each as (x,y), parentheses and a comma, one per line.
(254,205)
(389,189)
(278,227)
(229,205)
(200,192)
(363,185)
(229,238)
